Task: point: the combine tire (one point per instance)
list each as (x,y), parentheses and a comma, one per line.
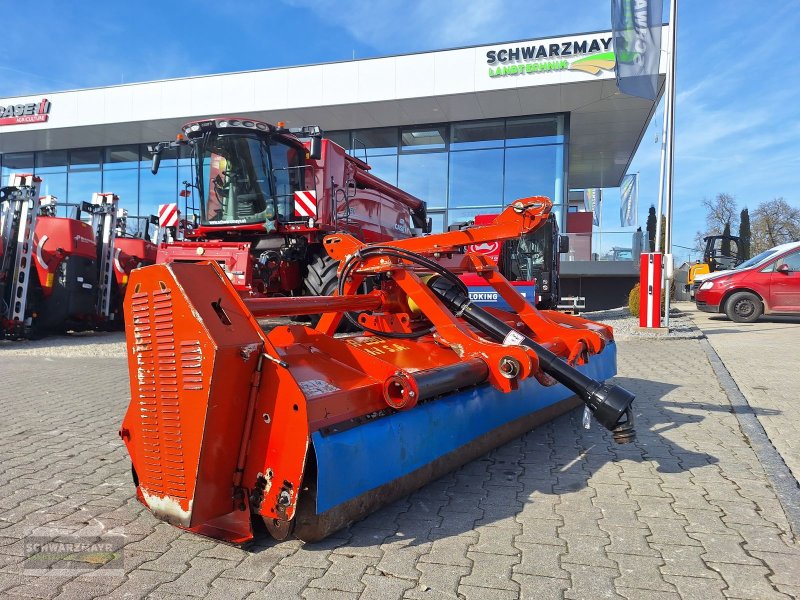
(743,307)
(321,276)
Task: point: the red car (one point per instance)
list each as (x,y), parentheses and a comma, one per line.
(766,284)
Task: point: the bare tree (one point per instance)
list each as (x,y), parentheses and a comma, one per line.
(719,211)
(774,222)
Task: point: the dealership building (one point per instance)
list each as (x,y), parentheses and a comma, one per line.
(468,129)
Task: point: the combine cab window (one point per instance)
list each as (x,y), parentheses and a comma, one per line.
(234,180)
(287,169)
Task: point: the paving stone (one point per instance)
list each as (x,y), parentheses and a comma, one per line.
(535,587)
(640,572)
(437,582)
(288,582)
(540,559)
(785,567)
(747,581)
(400,558)
(638,594)
(385,587)
(668,531)
(317,594)
(469,592)
(450,550)
(694,588)
(495,540)
(684,560)
(257,566)
(587,550)
(196,581)
(540,531)
(344,573)
(223,588)
(591,582)
(491,571)
(724,549)
(628,540)
(140,583)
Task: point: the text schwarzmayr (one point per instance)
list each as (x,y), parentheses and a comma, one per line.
(534,52)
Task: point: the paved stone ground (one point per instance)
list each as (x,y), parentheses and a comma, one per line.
(685,512)
(764,359)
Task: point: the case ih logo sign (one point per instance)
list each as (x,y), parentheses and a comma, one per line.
(22,114)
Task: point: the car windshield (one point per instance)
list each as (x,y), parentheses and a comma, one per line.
(758,258)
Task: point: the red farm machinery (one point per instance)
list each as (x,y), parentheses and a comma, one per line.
(264,197)
(531,262)
(58,273)
(310,431)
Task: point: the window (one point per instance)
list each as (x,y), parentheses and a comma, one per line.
(156,189)
(535,131)
(384,167)
(473,135)
(468,214)
(52,161)
(428,138)
(437,221)
(532,171)
(793,260)
(374,142)
(125,184)
(424,176)
(476,178)
(84,160)
(339,137)
(121,157)
(20,162)
(81,186)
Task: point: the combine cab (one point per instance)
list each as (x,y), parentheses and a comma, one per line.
(310,432)
(263,198)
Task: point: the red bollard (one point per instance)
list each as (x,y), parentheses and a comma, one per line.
(651,266)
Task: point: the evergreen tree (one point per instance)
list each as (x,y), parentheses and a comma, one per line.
(726,240)
(663,234)
(651,229)
(744,233)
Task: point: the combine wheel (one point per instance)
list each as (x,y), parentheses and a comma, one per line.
(278,528)
(321,280)
(743,307)
(321,275)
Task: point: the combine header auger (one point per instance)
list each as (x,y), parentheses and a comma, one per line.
(312,432)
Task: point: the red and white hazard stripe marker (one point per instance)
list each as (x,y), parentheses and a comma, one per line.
(305,203)
(168,215)
(650,290)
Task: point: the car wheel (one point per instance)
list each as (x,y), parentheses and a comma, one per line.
(743,307)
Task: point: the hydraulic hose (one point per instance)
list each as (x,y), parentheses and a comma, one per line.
(609,404)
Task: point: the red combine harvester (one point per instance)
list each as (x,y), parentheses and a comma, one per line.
(310,432)
(264,197)
(531,263)
(59,274)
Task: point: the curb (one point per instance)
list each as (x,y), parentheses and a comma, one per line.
(779,475)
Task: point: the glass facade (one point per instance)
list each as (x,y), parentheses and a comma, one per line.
(461,169)
(467,168)
(73,176)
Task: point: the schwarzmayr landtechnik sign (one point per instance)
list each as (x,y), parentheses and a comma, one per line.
(597,54)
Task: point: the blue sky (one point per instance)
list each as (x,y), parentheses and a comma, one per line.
(738,109)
